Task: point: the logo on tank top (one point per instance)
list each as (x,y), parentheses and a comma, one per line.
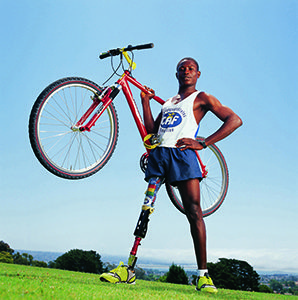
(171,119)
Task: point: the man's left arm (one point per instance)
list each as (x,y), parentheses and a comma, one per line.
(231,121)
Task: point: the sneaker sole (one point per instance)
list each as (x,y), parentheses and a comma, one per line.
(105,280)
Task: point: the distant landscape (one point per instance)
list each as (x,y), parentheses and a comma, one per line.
(144,263)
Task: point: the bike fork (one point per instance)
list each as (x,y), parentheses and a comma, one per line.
(105,99)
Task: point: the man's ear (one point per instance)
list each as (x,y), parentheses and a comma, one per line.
(177,75)
(199,74)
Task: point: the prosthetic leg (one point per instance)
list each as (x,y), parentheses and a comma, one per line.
(142,224)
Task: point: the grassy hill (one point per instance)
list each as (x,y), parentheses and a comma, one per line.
(23,282)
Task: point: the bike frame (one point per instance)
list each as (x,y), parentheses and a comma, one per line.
(123,81)
(106,99)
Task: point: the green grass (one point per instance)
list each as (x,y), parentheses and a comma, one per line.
(23,282)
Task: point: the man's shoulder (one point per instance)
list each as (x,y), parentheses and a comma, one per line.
(202,98)
(204,101)
(169,100)
(203,95)
(205,98)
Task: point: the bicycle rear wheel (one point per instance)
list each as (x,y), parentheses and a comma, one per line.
(213,187)
(61,150)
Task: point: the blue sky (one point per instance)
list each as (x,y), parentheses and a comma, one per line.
(247,51)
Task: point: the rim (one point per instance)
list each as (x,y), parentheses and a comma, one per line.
(214,186)
(69,151)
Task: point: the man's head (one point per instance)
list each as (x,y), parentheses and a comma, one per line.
(188,58)
(187,72)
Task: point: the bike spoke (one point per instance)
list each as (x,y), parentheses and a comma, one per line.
(213,186)
(65,148)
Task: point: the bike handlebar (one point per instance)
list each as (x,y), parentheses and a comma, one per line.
(117,51)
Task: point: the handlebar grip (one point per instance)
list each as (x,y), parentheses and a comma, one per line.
(114,52)
(104,55)
(145,46)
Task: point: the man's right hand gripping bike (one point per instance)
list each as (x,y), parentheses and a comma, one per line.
(73,130)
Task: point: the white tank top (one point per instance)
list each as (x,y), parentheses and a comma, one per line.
(178,120)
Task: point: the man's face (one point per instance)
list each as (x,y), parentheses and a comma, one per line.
(187,73)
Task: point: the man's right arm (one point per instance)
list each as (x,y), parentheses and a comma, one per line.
(150,125)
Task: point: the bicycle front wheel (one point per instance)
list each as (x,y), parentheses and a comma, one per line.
(61,150)
(213,187)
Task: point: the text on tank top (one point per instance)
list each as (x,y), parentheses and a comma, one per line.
(178,120)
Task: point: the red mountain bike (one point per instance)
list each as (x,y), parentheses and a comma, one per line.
(73,130)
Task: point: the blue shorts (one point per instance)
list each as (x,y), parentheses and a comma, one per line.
(173,165)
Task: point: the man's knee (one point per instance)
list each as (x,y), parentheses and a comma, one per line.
(193,211)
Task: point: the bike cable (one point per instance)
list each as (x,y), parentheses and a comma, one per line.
(114,71)
(121,63)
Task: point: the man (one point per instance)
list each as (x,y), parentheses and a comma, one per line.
(174,161)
